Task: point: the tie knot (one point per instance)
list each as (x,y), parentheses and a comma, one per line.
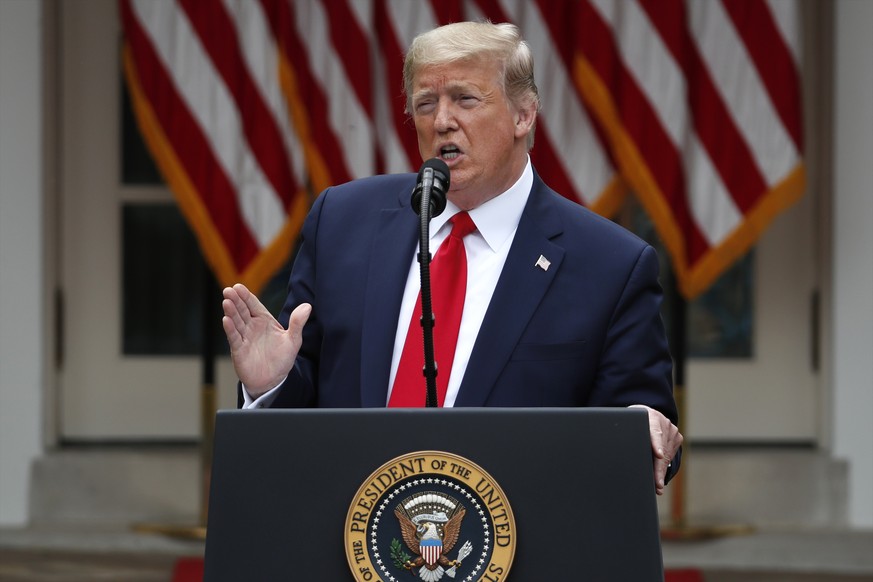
(462,225)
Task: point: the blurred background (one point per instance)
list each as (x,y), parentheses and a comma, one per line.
(153,151)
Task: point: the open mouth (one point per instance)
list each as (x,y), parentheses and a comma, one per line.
(449,152)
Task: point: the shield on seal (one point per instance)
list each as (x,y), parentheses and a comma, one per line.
(431,550)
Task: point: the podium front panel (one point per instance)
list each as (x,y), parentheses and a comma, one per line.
(579,482)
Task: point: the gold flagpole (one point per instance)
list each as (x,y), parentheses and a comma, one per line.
(679,527)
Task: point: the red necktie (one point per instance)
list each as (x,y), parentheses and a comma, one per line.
(449,287)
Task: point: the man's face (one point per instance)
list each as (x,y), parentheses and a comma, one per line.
(462,117)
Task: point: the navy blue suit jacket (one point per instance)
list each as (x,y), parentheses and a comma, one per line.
(585,332)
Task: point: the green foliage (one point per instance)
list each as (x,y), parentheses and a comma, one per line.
(398,556)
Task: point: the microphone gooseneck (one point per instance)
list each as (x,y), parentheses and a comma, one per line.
(429,200)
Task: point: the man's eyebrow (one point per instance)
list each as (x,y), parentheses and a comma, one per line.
(451,87)
(423,93)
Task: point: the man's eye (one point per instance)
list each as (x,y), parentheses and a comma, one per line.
(424,107)
(468,100)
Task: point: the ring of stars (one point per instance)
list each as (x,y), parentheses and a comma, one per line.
(483,557)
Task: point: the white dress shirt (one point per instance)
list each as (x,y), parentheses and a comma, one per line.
(487,248)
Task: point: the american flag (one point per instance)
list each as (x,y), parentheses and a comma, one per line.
(693,106)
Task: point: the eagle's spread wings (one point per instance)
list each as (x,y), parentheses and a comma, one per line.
(407,529)
(452,530)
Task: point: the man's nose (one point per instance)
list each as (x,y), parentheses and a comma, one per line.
(444,119)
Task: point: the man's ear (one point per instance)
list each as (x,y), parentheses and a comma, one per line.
(524,120)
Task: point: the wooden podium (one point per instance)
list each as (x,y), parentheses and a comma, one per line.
(579,483)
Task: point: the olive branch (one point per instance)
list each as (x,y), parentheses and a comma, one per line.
(398,556)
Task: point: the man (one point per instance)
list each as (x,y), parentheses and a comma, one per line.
(562,306)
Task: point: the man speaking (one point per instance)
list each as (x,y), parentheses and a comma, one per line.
(538,301)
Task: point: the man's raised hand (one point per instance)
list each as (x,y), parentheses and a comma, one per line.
(262,351)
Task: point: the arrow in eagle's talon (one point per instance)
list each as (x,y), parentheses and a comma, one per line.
(462,554)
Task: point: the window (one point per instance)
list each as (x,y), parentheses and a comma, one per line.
(719,322)
(165,282)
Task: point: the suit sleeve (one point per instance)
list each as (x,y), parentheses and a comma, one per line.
(635,364)
(300,388)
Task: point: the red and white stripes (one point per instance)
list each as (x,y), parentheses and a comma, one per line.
(694,106)
(702,104)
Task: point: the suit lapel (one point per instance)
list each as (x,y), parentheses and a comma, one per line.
(390,258)
(519,291)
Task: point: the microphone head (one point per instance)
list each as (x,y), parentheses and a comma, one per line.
(440,178)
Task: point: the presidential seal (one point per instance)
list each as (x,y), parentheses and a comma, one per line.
(432,514)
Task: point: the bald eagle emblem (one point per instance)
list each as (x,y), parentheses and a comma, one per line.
(430,523)
(429,516)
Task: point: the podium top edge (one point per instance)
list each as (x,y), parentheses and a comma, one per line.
(522,411)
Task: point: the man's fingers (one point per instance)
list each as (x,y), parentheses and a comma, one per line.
(671,441)
(666,440)
(661,467)
(234,306)
(298,319)
(233,320)
(231,331)
(252,304)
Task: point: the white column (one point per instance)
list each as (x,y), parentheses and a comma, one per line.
(853,254)
(21,253)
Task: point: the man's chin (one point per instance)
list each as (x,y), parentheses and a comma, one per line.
(466,198)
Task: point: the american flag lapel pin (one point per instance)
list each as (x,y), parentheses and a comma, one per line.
(543,263)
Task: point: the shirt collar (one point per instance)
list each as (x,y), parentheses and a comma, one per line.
(498,218)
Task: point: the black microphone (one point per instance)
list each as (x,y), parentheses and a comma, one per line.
(434,176)
(429,200)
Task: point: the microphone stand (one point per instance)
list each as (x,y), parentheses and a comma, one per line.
(427,317)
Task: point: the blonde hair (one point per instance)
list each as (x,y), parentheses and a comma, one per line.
(474,41)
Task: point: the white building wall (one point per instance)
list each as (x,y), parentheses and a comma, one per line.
(21,253)
(853,254)
(22,280)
